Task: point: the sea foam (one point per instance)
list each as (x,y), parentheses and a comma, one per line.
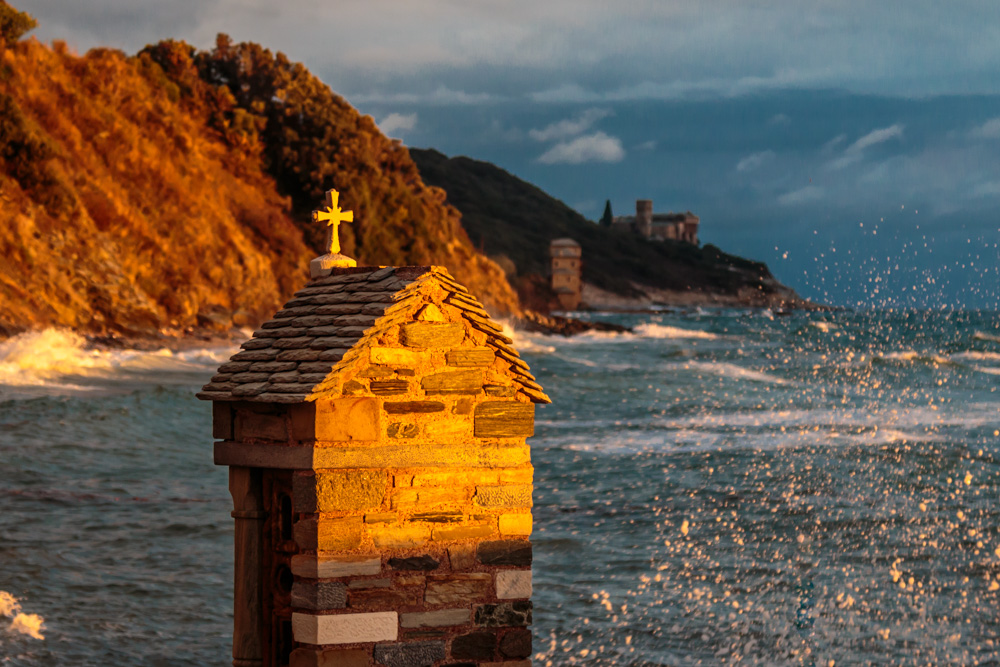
(61,361)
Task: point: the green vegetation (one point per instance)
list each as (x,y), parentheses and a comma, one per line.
(509,217)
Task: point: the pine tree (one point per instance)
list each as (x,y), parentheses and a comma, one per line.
(607,218)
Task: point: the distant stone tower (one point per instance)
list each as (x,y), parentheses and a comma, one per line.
(644,217)
(375,432)
(566,268)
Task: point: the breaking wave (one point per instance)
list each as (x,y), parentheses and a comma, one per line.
(652,330)
(62,360)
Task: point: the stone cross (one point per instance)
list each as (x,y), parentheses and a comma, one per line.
(333,216)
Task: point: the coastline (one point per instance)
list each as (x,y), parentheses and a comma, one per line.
(655,299)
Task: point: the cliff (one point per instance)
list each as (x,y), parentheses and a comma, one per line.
(139,195)
(514,221)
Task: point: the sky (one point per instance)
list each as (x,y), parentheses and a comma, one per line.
(853,146)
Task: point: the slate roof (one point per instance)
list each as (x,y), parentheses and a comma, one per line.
(320,332)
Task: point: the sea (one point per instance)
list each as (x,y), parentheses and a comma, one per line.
(718,487)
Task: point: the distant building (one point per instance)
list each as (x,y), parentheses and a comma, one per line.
(675,226)
(566,267)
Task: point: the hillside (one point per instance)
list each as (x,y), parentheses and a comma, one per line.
(141,195)
(510,218)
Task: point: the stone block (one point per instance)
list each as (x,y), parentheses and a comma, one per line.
(462,556)
(503,495)
(349,490)
(423,563)
(311,657)
(348,419)
(409,654)
(455,533)
(437,517)
(381,517)
(410,579)
(431,313)
(515,524)
(362,584)
(435,619)
(504,419)
(345,628)
(413,407)
(473,356)
(222,420)
(453,455)
(330,567)
(328,534)
(504,614)
(383,598)
(449,430)
(463,406)
(431,334)
(453,382)
(470,477)
(389,387)
(319,595)
(395,357)
(427,498)
(256,426)
(372,372)
(504,552)
(513,584)
(456,589)
(521,475)
(406,536)
(500,390)
(480,645)
(402,430)
(516,644)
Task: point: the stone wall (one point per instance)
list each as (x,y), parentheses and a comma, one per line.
(399,513)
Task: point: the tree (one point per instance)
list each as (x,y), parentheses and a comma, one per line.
(607,218)
(14,24)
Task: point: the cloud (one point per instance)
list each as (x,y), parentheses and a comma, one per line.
(810,193)
(991,189)
(988,130)
(646,146)
(833,144)
(570,127)
(754,161)
(855,152)
(876,137)
(596,147)
(779,119)
(395,122)
(440,96)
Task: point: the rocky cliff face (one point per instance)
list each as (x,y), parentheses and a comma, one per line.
(514,222)
(131,203)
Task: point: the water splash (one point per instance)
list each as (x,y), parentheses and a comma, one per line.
(25,624)
(60,361)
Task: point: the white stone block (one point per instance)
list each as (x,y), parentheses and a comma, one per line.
(345,628)
(513,584)
(320,567)
(435,619)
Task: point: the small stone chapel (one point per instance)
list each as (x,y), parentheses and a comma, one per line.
(375,432)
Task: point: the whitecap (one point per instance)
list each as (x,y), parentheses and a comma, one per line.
(734,372)
(661,331)
(981,335)
(60,361)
